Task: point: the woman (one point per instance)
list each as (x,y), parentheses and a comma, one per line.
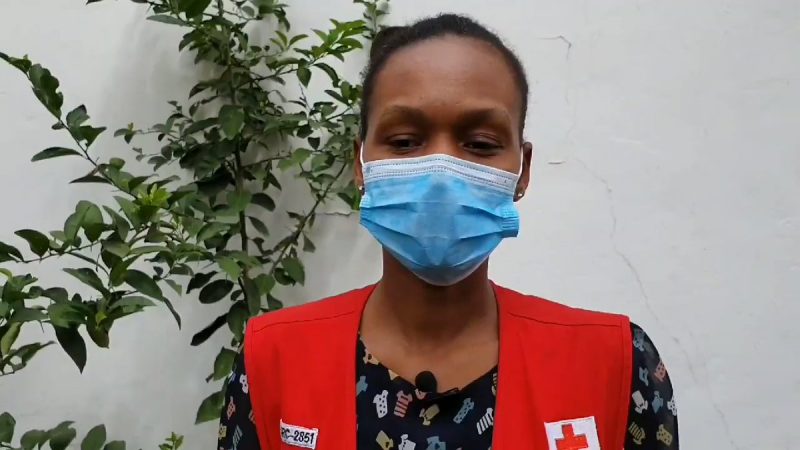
(423,359)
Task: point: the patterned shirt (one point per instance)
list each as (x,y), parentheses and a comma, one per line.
(393,414)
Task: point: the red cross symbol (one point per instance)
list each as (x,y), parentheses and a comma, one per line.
(570,441)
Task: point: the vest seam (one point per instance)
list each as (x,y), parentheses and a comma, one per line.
(261,327)
(624,388)
(565,324)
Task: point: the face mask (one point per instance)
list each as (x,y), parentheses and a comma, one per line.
(438,215)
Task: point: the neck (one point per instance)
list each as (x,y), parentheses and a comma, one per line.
(424,313)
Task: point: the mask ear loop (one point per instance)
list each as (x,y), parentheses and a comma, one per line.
(361,189)
(519,192)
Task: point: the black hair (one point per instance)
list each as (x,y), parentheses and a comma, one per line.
(391,39)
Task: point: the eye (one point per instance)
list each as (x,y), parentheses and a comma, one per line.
(404,143)
(482,146)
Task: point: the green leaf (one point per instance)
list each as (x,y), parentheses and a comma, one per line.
(259,226)
(174,285)
(87,216)
(93,222)
(204,334)
(248,11)
(264,201)
(130,210)
(23,64)
(115,445)
(95,438)
(72,343)
(300,155)
(238,200)
(54,152)
(351,42)
(120,249)
(32,439)
(215,291)
(163,18)
(7,424)
(119,269)
(252,295)
(237,317)
(145,249)
(120,224)
(231,120)
(193,7)
(199,280)
(27,315)
(7,339)
(61,436)
(330,71)
(26,352)
(135,182)
(212,230)
(131,303)
(199,126)
(304,75)
(89,277)
(308,246)
(304,131)
(45,87)
(144,284)
(265,283)
(294,268)
(223,363)
(230,267)
(211,408)
(65,315)
(336,95)
(90,179)
(89,134)
(77,117)
(56,294)
(9,253)
(147,286)
(38,242)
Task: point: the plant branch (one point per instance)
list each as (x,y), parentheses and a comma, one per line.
(87,259)
(54,254)
(302,224)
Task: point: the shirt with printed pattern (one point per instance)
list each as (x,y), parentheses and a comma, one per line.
(391,413)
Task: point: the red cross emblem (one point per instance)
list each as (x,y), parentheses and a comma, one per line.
(570,441)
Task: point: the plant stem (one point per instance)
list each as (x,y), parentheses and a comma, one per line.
(52,255)
(87,259)
(302,224)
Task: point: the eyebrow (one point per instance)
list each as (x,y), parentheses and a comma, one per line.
(400,111)
(474,116)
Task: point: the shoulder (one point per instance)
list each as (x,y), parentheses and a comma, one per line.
(645,351)
(545,311)
(320,311)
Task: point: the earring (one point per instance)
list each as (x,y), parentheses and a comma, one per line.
(361,189)
(518,195)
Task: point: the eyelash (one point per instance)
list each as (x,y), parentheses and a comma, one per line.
(397,144)
(483,146)
(475,145)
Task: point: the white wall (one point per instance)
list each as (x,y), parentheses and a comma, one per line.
(666,186)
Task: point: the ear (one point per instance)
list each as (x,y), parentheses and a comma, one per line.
(358,173)
(525,177)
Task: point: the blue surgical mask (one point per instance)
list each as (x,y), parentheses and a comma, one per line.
(440,216)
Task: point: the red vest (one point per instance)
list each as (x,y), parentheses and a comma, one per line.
(556,364)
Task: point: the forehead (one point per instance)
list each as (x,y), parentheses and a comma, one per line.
(447,73)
